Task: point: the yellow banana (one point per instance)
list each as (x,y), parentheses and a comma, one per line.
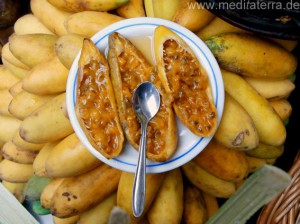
(255,163)
(264,151)
(15,172)
(211,204)
(282,107)
(269,126)
(194,206)
(134,8)
(52,117)
(4,102)
(88,23)
(124,193)
(287,44)
(24,145)
(16,71)
(6,53)
(70,220)
(100,213)
(236,129)
(207,182)
(60,161)
(87,5)
(164,9)
(192,15)
(39,164)
(16,88)
(224,163)
(29,24)
(8,127)
(272,89)
(7,78)
(15,189)
(52,17)
(167,206)
(49,191)
(24,103)
(11,152)
(46,78)
(70,199)
(32,49)
(67,47)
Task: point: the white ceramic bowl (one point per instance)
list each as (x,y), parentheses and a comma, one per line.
(189,145)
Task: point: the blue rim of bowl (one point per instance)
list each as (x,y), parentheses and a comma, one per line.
(188,37)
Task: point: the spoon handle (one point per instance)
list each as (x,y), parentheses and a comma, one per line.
(139,186)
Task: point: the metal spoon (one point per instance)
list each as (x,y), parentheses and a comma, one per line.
(145,103)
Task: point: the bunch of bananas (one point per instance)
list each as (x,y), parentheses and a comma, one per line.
(41,154)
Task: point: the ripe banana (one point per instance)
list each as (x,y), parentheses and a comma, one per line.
(32,49)
(24,145)
(15,172)
(43,124)
(70,220)
(269,126)
(49,191)
(255,163)
(124,193)
(164,9)
(8,127)
(70,199)
(24,103)
(264,151)
(167,206)
(287,44)
(272,89)
(4,102)
(11,152)
(7,55)
(100,213)
(192,15)
(88,23)
(134,8)
(39,164)
(224,163)
(16,189)
(236,129)
(52,17)
(61,159)
(67,47)
(282,107)
(16,71)
(194,206)
(29,24)
(211,204)
(207,182)
(7,78)
(87,5)
(16,88)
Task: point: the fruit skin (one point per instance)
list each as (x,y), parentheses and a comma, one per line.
(46,78)
(15,172)
(50,16)
(211,204)
(282,107)
(192,18)
(252,56)
(124,193)
(70,199)
(16,71)
(29,24)
(48,192)
(264,151)
(164,9)
(195,211)
(255,163)
(25,146)
(67,47)
(7,54)
(269,126)
(24,103)
(88,23)
(100,213)
(70,220)
(34,187)
(16,189)
(61,159)
(52,117)
(11,152)
(169,199)
(16,88)
(134,8)
(207,182)
(87,5)
(236,129)
(7,78)
(272,89)
(224,163)
(32,49)
(5,101)
(8,127)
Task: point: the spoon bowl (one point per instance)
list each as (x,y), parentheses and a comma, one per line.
(145,103)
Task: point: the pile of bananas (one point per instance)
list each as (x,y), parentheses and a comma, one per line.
(44,161)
